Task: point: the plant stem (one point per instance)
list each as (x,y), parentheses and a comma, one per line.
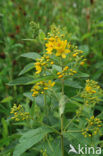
(45,105)
(62,141)
(62,86)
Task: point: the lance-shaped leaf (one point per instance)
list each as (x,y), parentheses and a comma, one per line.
(30,138)
(31,55)
(30,80)
(29,95)
(27,68)
(21,81)
(72,83)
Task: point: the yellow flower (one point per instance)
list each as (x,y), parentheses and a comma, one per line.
(71,70)
(60,46)
(36,87)
(19,113)
(35,93)
(50,83)
(49,52)
(44,63)
(93,91)
(60,76)
(52,39)
(74,71)
(92,117)
(65,68)
(69,45)
(41,86)
(45,38)
(47,57)
(42,92)
(58,73)
(74,55)
(49,47)
(52,62)
(45,88)
(38,67)
(88,88)
(82,63)
(95,132)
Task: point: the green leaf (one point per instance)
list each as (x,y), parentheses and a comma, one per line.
(29,139)
(29,95)
(99,65)
(41,35)
(18,45)
(49,77)
(76,138)
(4,110)
(87,35)
(27,68)
(100,24)
(73,84)
(31,55)
(51,146)
(29,39)
(7,99)
(57,149)
(85,49)
(72,106)
(21,81)
(57,68)
(5,128)
(29,80)
(7,139)
(80,74)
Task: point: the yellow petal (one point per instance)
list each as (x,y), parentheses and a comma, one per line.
(63,56)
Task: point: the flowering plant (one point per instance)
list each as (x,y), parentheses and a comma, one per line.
(62,111)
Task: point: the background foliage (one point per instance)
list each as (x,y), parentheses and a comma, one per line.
(82,20)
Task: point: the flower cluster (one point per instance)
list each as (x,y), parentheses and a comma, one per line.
(60,47)
(43,63)
(41,87)
(19,113)
(93,127)
(92,92)
(66,71)
(61,53)
(60,58)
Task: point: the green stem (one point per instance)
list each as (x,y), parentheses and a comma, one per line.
(62,86)
(45,105)
(62,140)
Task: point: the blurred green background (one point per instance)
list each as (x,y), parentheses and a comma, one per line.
(82,19)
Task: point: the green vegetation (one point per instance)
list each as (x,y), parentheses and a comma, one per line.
(51,76)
